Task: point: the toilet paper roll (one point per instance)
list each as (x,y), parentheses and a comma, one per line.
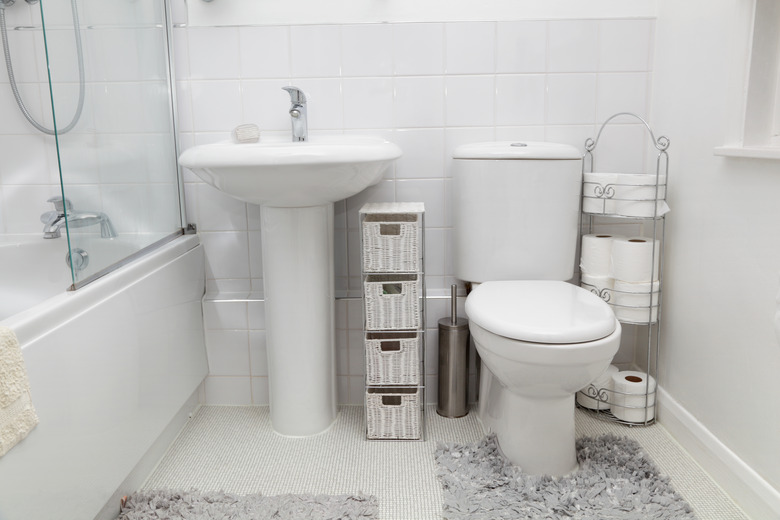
(597,184)
(627,194)
(599,285)
(597,389)
(636,208)
(635,259)
(632,301)
(629,403)
(593,205)
(596,255)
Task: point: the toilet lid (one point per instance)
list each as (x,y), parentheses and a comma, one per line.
(540,311)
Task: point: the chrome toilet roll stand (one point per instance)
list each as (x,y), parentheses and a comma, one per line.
(598,213)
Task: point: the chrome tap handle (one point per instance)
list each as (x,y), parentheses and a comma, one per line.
(61,204)
(297,97)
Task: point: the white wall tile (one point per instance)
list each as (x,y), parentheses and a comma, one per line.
(178,12)
(434,251)
(224,315)
(325,103)
(24,160)
(571,98)
(430,192)
(265,52)
(24,205)
(622,92)
(13,122)
(181,54)
(520,133)
(522,47)
(357,390)
(260,393)
(470,48)
(266,105)
(315,51)
(454,137)
(342,389)
(520,100)
(381,192)
(573,46)
(227,254)
(622,148)
(418,48)
(235,391)
(228,352)
(367,50)
(214,53)
(368,102)
(255,254)
(258,353)
(216,106)
(219,211)
(419,102)
(574,135)
(184,106)
(25,63)
(256,312)
(470,100)
(423,153)
(626,45)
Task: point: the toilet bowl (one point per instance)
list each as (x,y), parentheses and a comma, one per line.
(539,342)
(516,214)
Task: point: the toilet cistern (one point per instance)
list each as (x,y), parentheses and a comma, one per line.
(300,124)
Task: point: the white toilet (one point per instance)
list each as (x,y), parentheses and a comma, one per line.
(540,339)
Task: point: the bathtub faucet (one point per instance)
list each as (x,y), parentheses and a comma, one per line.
(53,221)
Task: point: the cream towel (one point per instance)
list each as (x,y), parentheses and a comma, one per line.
(17,415)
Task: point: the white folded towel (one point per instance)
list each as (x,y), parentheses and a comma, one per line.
(17,414)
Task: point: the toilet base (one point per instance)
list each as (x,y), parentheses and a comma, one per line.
(535,433)
(541,434)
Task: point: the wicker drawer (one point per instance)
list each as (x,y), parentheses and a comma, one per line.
(393,358)
(392,301)
(393,413)
(391,242)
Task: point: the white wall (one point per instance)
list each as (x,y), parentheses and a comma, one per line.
(426,86)
(721,358)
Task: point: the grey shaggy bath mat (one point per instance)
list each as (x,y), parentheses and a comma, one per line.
(614,481)
(193,505)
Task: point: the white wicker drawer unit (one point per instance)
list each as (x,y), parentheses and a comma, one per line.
(393,413)
(392,262)
(393,358)
(391,243)
(392,301)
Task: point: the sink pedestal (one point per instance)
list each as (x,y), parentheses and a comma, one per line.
(299,313)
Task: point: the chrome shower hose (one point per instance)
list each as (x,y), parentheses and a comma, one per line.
(12,79)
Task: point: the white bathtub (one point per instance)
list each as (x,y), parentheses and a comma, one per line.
(114,369)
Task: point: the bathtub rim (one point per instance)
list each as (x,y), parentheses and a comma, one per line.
(45,317)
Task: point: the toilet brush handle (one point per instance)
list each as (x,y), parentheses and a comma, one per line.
(454,304)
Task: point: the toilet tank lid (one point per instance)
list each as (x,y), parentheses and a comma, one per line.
(517,150)
(540,311)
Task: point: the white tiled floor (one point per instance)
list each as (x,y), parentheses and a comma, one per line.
(234,449)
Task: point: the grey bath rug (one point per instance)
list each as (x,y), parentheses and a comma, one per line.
(614,481)
(193,505)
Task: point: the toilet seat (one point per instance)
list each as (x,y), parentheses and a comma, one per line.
(540,311)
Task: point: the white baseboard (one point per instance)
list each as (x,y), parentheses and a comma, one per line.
(754,495)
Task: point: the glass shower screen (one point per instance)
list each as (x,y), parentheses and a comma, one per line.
(110,85)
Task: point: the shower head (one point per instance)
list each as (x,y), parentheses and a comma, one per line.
(6,3)
(32,2)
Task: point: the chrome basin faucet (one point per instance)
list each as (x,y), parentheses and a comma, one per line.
(53,221)
(300,130)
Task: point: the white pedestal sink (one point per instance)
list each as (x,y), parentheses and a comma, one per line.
(296,185)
